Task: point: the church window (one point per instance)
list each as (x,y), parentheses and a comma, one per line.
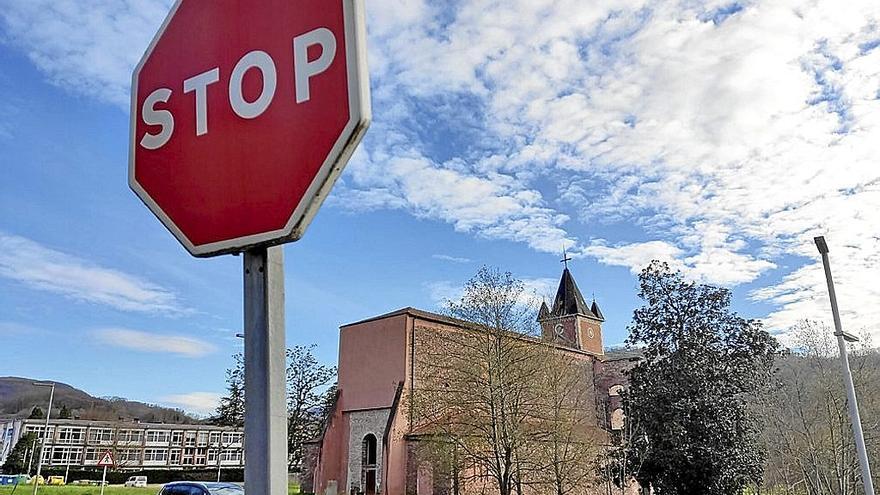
(617,419)
(369,473)
(370,450)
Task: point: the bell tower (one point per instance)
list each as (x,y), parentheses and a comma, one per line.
(571,322)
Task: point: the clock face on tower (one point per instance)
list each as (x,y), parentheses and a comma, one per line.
(590,332)
(559,329)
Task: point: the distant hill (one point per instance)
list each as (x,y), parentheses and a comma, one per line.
(18,397)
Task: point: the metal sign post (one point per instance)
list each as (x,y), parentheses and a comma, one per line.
(106,461)
(103,480)
(265,373)
(260,167)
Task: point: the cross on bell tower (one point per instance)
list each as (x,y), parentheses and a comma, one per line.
(565,258)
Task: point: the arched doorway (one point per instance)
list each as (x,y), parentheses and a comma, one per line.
(369,464)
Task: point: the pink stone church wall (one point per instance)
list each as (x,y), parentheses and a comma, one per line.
(373,359)
(395,483)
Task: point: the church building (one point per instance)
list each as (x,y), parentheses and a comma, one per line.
(368,445)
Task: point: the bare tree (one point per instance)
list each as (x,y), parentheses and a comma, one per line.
(565,450)
(496,407)
(475,384)
(307,380)
(809,433)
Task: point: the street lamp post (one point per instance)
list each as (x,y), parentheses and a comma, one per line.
(45,432)
(842,339)
(219,456)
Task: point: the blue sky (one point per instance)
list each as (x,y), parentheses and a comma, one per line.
(719,136)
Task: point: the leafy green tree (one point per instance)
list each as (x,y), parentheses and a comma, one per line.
(695,395)
(230,412)
(64,413)
(17,460)
(37,413)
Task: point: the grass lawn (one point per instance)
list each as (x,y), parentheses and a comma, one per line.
(81,490)
(96,490)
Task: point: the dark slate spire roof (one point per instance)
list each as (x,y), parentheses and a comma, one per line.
(569,300)
(544,312)
(596,311)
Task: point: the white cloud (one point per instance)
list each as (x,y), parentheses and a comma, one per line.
(137,340)
(634,256)
(718,264)
(201,403)
(39,267)
(11,328)
(443,291)
(728,142)
(85,46)
(453,259)
(494,206)
(534,290)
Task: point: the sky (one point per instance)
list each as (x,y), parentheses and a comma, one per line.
(717,136)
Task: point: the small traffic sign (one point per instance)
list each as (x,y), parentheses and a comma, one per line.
(243,114)
(106,460)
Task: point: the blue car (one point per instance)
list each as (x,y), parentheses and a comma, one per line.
(200,488)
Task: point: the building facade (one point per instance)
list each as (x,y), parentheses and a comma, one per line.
(369,444)
(135,445)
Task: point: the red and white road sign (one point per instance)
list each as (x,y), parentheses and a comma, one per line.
(106,460)
(243,115)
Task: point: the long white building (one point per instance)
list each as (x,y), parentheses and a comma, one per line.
(135,445)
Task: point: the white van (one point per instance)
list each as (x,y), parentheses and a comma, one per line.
(137,481)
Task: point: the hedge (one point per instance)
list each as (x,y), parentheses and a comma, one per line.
(154,476)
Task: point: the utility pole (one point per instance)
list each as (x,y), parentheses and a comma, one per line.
(45,433)
(842,339)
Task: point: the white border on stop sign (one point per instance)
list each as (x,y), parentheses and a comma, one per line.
(360,115)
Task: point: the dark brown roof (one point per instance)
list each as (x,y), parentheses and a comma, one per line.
(569,300)
(624,354)
(596,311)
(544,312)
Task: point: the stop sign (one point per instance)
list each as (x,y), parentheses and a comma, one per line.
(243,115)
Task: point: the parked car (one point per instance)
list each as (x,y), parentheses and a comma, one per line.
(136,481)
(199,488)
(88,482)
(8,479)
(55,480)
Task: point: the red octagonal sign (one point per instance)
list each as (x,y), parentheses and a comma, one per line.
(243,115)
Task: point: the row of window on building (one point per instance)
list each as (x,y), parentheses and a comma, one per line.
(147,456)
(188,438)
